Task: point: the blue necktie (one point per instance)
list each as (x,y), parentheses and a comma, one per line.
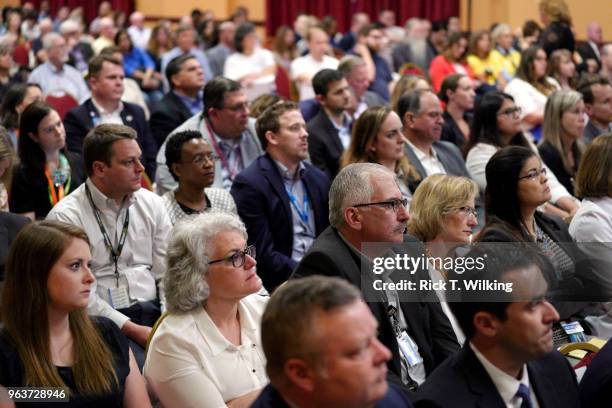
(523,392)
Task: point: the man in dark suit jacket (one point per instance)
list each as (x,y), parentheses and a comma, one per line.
(281,198)
(330,130)
(590,50)
(596,384)
(508,358)
(320,342)
(597,95)
(357,217)
(186,79)
(105,106)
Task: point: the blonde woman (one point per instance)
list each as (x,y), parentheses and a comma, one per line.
(562,69)
(443,216)
(561,148)
(408,83)
(377,138)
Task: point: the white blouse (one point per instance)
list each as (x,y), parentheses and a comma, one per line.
(191,364)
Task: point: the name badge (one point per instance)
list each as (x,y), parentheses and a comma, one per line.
(119,298)
(409,349)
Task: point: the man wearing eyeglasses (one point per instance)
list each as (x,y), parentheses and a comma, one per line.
(281,198)
(367,206)
(226,126)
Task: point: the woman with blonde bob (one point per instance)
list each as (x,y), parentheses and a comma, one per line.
(48,340)
(443,216)
(593,220)
(562,69)
(207,351)
(378,138)
(561,148)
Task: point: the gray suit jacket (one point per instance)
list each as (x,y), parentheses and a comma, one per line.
(591,132)
(249,147)
(216,58)
(448,154)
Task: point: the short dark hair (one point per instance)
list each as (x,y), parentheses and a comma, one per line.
(268,120)
(97,62)
(323,78)
(174,147)
(365,30)
(450,83)
(530,28)
(500,258)
(175,65)
(287,323)
(242,31)
(215,90)
(409,102)
(585,86)
(98,144)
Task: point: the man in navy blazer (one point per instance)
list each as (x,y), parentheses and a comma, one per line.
(319,338)
(508,358)
(105,106)
(281,198)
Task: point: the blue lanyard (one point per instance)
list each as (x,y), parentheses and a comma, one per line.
(302,212)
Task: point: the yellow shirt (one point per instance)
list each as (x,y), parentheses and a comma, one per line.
(505,65)
(483,69)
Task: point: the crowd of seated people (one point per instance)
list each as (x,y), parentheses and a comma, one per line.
(171,193)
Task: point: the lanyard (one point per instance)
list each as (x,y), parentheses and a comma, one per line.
(53,181)
(224,160)
(302,212)
(115,253)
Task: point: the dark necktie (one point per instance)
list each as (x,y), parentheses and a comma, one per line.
(523,392)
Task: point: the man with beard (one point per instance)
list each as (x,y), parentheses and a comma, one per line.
(281,198)
(367,206)
(413,48)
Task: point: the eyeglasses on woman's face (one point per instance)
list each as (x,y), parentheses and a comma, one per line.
(237,259)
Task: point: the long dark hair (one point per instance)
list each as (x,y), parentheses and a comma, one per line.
(14,96)
(501,195)
(31,154)
(484,123)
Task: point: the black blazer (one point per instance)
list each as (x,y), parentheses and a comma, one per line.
(170,112)
(30,188)
(450,129)
(551,157)
(10,225)
(596,385)
(572,295)
(586,52)
(462,382)
(263,205)
(324,144)
(80,120)
(427,324)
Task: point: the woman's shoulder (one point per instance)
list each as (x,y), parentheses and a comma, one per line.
(256,303)
(112,335)
(11,367)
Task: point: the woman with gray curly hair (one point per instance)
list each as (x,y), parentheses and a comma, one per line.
(207,351)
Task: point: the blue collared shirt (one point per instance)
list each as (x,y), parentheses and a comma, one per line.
(195,106)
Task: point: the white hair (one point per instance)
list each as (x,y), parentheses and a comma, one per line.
(49,40)
(187,258)
(69,26)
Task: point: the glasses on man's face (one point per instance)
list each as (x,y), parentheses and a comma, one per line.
(199,159)
(533,174)
(238,258)
(467,210)
(514,111)
(394,205)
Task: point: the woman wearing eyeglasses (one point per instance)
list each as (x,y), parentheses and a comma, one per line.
(191,162)
(497,124)
(207,351)
(443,216)
(517,185)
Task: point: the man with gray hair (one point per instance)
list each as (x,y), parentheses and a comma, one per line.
(55,76)
(309,327)
(422,120)
(413,48)
(79,52)
(367,206)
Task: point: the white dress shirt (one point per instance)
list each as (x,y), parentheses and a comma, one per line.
(142,261)
(239,65)
(506,385)
(191,364)
(67,79)
(430,162)
(105,116)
